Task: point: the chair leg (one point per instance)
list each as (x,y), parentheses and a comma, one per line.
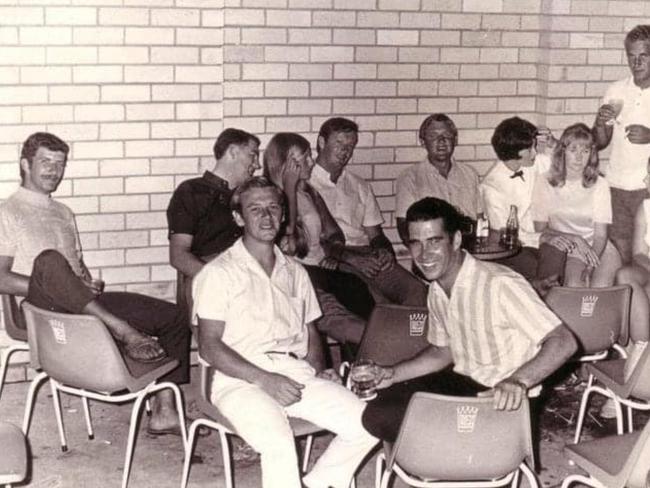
(29,403)
(307,453)
(530,475)
(189,450)
(89,423)
(379,468)
(619,417)
(583,409)
(133,428)
(630,419)
(515,479)
(56,401)
(227,461)
(569,480)
(6,357)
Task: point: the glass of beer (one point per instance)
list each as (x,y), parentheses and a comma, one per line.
(617,105)
(363,377)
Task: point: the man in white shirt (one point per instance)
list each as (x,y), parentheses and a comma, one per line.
(351,201)
(255,309)
(624,120)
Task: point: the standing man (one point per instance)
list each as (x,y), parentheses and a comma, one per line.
(255,309)
(367,251)
(200,222)
(438,176)
(40,258)
(624,120)
(489,332)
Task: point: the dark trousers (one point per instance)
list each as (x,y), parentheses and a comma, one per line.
(540,263)
(54,286)
(383,415)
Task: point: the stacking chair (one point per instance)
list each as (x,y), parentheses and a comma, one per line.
(214,419)
(80,357)
(614,461)
(447,441)
(16,329)
(13,462)
(634,393)
(599,317)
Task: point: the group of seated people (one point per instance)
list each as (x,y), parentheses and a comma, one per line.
(273,263)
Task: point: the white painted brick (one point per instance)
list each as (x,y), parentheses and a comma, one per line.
(75,132)
(285,53)
(10,115)
(357,5)
(331,54)
(521,6)
(420,20)
(310,36)
(200,111)
(310,71)
(45,75)
(149,184)
(123,55)
(71,55)
(375,122)
(376,54)
(459,55)
(149,111)
(355,37)
(158,237)
(244,54)
(481,38)
(122,167)
(395,138)
(525,87)
(45,35)
(21,15)
(131,274)
(95,149)
(123,16)
(501,22)
(414,88)
(482,6)
(251,35)
(232,107)
(324,4)
(232,72)
(355,71)
(518,71)
(114,257)
(148,255)
(603,56)
(244,89)
(354,106)
(165,273)
(149,35)
(197,36)
(98,186)
(70,15)
(377,19)
(175,92)
(398,71)
(480,71)
(531,39)
(310,106)
(146,220)
(556,90)
(22,95)
(569,23)
(175,17)
(288,17)
(397,37)
(290,124)
(433,105)
(396,105)
(149,148)
(81,205)
(211,92)
(98,223)
(265,71)
(99,112)
(97,74)
(125,93)
(173,166)
(440,38)
(124,130)
(441,71)
(18,133)
(124,239)
(23,55)
(606,24)
(460,21)
(8,35)
(287,89)
(135,74)
(477,104)
(231,36)
(47,113)
(198,74)
(124,203)
(333,18)
(98,35)
(212,18)
(211,55)
(170,130)
(332,88)
(487,88)
(376,88)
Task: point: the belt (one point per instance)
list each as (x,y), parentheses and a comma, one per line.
(283,353)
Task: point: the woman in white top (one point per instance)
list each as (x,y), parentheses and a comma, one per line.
(572,205)
(310,232)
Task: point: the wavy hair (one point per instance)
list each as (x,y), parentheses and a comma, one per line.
(276,152)
(557,172)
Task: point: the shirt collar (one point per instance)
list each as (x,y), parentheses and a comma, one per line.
(32,197)
(320,174)
(245,257)
(436,171)
(463,278)
(215,181)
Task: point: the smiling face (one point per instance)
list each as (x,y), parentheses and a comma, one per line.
(432,249)
(261,214)
(336,151)
(44,172)
(304,160)
(638,60)
(246,160)
(439,141)
(576,158)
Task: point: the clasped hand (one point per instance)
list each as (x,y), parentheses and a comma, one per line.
(283,389)
(507,394)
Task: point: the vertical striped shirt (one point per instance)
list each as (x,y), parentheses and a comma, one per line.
(493,321)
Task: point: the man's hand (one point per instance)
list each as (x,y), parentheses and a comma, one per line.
(285,390)
(329,263)
(368,264)
(508,394)
(637,134)
(331,375)
(385,376)
(288,245)
(605,113)
(384,258)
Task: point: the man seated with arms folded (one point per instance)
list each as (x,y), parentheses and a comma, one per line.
(40,258)
(439,175)
(511,181)
(350,199)
(489,332)
(200,222)
(255,309)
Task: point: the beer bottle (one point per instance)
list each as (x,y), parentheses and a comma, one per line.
(482,229)
(512,228)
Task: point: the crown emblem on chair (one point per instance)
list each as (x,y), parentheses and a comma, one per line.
(58,329)
(466,418)
(416,323)
(588,305)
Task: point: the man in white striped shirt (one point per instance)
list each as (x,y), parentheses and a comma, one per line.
(490,333)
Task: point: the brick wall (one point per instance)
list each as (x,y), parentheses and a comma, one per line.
(140,88)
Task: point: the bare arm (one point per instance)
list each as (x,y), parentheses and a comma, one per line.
(315,355)
(639,245)
(12,283)
(566,242)
(180,254)
(430,360)
(601,131)
(378,239)
(213,350)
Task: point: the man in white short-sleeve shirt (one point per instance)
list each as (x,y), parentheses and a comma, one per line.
(255,309)
(624,120)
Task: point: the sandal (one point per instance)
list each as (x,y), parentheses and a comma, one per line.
(145,350)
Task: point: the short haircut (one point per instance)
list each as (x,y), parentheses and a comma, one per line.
(334,125)
(639,33)
(431,208)
(231,136)
(443,118)
(254,182)
(41,139)
(557,171)
(276,152)
(511,136)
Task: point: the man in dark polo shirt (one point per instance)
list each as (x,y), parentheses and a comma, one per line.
(200,222)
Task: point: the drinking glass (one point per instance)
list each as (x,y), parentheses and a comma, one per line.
(617,105)
(363,377)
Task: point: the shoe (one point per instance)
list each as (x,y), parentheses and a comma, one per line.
(243,454)
(146,350)
(608,410)
(634,353)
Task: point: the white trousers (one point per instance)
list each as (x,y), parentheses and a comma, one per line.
(262,422)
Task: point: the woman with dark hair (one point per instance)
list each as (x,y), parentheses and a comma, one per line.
(572,205)
(313,236)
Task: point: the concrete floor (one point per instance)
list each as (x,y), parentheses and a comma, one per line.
(158,461)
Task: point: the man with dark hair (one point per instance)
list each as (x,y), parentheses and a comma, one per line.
(439,175)
(199,218)
(489,332)
(255,308)
(624,120)
(40,258)
(509,182)
(367,251)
